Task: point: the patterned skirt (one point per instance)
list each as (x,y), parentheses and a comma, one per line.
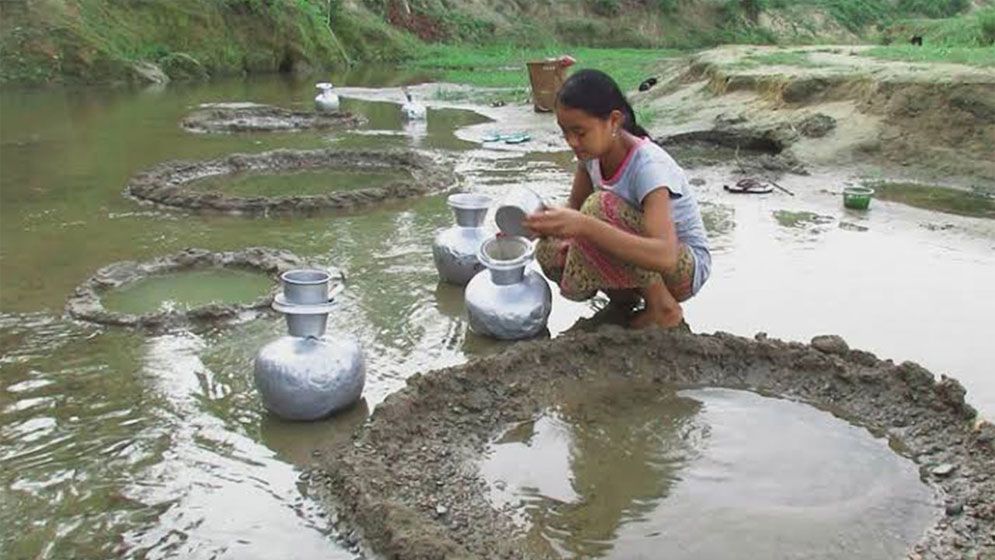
(581,269)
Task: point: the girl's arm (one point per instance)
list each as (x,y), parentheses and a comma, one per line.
(581,189)
(656,249)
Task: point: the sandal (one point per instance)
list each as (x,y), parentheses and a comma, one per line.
(749,186)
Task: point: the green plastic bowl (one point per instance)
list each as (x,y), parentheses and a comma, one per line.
(857,198)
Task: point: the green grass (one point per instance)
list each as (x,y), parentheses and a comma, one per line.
(483,97)
(973,56)
(97,40)
(967,39)
(504,66)
(940,199)
(646,116)
(788,58)
(973,30)
(93,41)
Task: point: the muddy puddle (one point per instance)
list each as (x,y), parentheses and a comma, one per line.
(187,290)
(617,474)
(119,444)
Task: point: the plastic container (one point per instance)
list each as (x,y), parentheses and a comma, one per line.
(546,77)
(857,198)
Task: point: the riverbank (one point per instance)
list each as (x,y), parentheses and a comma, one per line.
(99,42)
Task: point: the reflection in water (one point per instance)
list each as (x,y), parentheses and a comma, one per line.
(210,481)
(386,128)
(299,442)
(605,458)
(636,472)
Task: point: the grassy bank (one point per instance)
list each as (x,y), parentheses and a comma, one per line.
(973,56)
(682,24)
(471,41)
(97,41)
(967,39)
(504,66)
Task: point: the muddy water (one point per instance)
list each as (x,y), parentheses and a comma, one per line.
(187,290)
(905,283)
(633,475)
(117,444)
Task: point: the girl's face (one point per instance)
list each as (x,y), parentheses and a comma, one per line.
(588,136)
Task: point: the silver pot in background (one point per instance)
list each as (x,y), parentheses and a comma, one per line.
(327,101)
(455,249)
(308,374)
(508,301)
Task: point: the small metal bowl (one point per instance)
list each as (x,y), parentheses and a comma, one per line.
(514,208)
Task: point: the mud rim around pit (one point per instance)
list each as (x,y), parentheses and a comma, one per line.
(168,184)
(228,118)
(86,304)
(408,485)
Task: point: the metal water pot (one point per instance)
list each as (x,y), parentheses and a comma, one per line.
(309,374)
(455,249)
(508,301)
(412,110)
(327,100)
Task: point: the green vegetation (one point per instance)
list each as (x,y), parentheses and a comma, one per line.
(941,199)
(647,115)
(504,66)
(973,30)
(102,40)
(791,58)
(974,56)
(966,39)
(933,8)
(92,41)
(484,97)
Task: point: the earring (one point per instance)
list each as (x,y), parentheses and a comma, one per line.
(615,133)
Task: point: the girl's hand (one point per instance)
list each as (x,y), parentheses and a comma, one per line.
(557,222)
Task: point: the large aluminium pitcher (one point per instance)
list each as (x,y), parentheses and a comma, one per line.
(455,249)
(508,301)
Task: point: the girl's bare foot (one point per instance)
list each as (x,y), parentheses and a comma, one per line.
(662,310)
(665,318)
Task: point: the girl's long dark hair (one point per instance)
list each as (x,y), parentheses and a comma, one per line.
(597,94)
